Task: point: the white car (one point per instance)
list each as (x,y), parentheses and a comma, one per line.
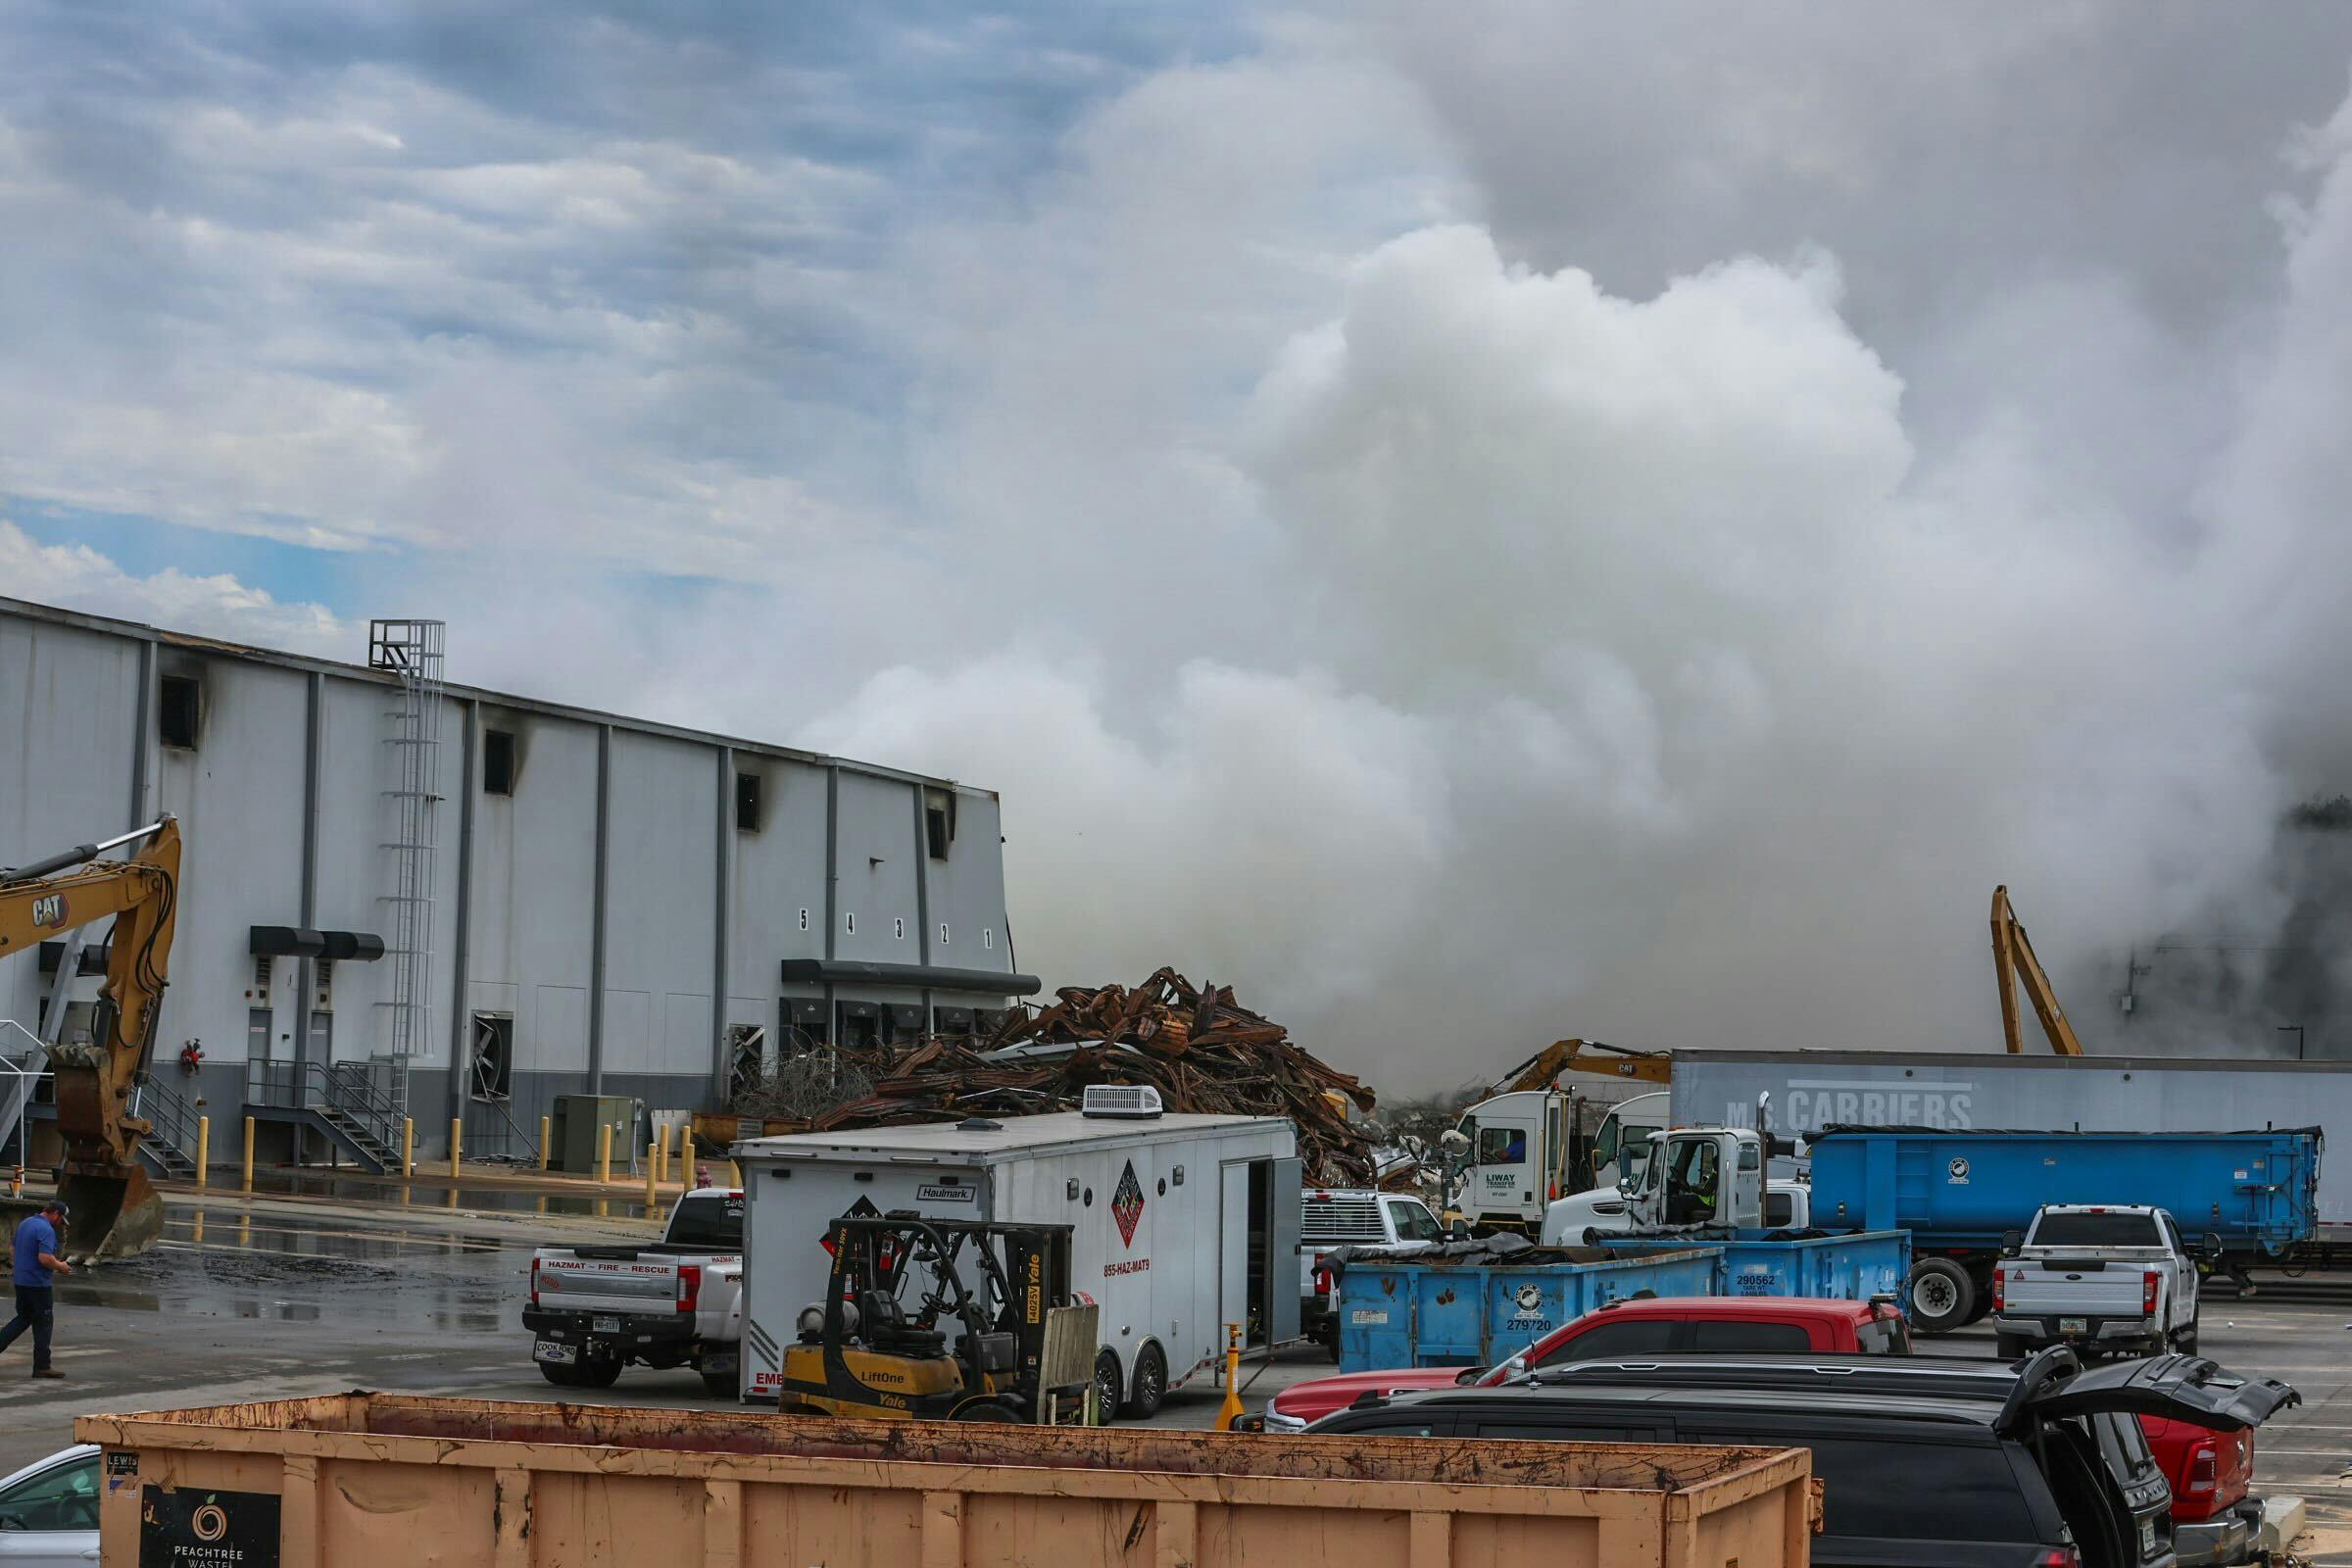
(49,1512)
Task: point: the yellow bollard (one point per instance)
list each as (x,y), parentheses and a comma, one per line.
(656,1156)
(1231,1410)
(407,1148)
(456,1143)
(547,1133)
(651,1198)
(735,1176)
(249,1125)
(204,1149)
(686,1154)
(604,1152)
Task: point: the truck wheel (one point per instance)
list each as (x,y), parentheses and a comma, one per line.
(1941,1296)
(562,1377)
(1151,1385)
(1109,1393)
(2186,1341)
(719,1385)
(983,1410)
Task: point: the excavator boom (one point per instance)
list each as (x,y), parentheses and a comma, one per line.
(113,1210)
(1542,1070)
(2014,962)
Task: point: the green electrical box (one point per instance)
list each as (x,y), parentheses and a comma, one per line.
(571,1134)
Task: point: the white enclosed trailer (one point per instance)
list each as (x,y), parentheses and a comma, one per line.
(1814,1089)
(1181,1223)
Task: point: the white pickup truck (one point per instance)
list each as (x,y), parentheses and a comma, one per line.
(2098,1277)
(676,1302)
(1333,1217)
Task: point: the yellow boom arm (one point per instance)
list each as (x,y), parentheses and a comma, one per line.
(2013,961)
(113,1208)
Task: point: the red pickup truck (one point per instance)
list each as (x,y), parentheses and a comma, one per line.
(1736,1324)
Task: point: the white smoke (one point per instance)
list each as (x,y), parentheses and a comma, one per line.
(1595,523)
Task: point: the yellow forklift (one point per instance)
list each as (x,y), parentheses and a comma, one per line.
(945,1321)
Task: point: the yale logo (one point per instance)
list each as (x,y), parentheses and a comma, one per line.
(49,909)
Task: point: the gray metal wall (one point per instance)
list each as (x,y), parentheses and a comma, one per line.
(696,915)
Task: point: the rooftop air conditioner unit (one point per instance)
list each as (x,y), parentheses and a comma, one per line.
(1124,1102)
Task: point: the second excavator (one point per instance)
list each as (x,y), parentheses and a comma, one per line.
(115,1209)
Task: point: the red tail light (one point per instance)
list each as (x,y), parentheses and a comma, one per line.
(2000,1278)
(690,1286)
(2059,1557)
(2204,1466)
(1322,1282)
(2147,1294)
(534,1282)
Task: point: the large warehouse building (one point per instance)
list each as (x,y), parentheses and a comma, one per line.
(405,898)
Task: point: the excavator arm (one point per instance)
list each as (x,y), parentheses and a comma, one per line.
(113,1208)
(2013,962)
(1544,1068)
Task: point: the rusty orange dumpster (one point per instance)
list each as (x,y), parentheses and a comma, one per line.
(356,1478)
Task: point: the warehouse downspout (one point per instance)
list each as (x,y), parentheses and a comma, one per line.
(723,900)
(596,939)
(461,1014)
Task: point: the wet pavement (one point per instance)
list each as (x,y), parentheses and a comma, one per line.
(341,1285)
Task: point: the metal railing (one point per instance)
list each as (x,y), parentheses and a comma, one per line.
(370,1093)
(172,1114)
(19,1083)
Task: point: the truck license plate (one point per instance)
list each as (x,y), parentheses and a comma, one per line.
(2073,1325)
(555,1354)
(604,1325)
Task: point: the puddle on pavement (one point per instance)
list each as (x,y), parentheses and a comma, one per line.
(494,1200)
(300,1269)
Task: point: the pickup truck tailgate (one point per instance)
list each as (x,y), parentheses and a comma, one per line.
(604,1285)
(2109,1290)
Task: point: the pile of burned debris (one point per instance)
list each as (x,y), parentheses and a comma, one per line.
(1201,1050)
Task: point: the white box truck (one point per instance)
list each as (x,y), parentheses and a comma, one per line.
(1183,1224)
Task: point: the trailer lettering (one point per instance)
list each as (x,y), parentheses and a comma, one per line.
(1816,1103)
(1132,1265)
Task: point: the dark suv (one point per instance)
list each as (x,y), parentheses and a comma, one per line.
(1967,1464)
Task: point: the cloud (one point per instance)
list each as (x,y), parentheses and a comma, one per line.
(77,578)
(1614,522)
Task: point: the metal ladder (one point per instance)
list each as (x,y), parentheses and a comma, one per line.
(409,650)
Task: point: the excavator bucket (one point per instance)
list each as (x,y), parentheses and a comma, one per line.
(106,1216)
(110,1215)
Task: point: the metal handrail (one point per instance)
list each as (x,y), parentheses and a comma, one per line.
(173,1117)
(348,1087)
(28,1082)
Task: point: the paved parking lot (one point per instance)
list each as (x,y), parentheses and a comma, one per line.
(275,1297)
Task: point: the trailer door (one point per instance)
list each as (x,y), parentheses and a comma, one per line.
(1233,1246)
(1283,1304)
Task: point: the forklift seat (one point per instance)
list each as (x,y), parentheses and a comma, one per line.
(888,1331)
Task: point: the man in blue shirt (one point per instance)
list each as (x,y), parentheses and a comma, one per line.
(38,1266)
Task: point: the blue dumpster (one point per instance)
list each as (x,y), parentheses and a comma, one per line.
(1852,1268)
(1395,1314)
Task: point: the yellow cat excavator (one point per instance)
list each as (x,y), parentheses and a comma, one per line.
(1540,1070)
(2013,962)
(114,1210)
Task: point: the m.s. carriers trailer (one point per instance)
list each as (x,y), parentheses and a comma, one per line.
(1959,1090)
(1182,1224)
(1960,1193)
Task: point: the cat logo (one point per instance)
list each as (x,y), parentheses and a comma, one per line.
(49,909)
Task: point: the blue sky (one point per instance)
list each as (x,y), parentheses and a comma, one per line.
(1586,507)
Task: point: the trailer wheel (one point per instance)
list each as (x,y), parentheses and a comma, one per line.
(1151,1385)
(1941,1296)
(1109,1392)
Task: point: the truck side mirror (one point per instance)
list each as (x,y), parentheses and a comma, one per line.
(2012,1243)
(1461,1226)
(2213,1244)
